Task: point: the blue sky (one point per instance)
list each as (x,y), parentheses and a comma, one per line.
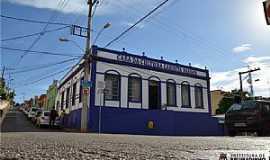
(226,36)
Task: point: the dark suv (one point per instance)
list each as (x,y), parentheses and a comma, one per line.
(249,116)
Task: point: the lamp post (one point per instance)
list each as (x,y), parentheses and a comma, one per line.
(63,39)
(87,63)
(107,25)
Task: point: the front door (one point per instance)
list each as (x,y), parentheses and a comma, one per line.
(154,95)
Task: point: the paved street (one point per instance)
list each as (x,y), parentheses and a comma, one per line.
(17,122)
(37,144)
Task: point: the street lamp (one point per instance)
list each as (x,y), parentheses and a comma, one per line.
(63,39)
(107,25)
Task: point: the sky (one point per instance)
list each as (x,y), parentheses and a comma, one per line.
(225,36)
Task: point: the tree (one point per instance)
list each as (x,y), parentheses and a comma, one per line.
(225,104)
(229,99)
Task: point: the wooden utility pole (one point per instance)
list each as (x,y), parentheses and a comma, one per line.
(88,52)
(241,83)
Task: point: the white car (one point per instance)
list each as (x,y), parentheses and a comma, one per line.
(32,113)
(43,119)
(25,111)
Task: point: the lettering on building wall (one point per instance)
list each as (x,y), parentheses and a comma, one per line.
(155,64)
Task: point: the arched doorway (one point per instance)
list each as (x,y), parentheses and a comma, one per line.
(154,94)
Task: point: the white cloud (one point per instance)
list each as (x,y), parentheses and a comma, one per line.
(129,24)
(229,80)
(242,48)
(252,59)
(80,6)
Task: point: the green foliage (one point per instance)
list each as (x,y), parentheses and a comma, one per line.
(225,104)
(228,100)
(3,93)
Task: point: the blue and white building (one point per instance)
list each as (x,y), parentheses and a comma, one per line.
(142,95)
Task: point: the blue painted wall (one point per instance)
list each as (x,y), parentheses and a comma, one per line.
(134,121)
(73,119)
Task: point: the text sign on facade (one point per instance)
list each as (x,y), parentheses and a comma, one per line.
(266,5)
(155,64)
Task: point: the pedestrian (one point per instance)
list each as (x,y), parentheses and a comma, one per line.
(53,115)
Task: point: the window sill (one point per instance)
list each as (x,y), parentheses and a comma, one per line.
(186,107)
(199,108)
(112,100)
(134,101)
(175,106)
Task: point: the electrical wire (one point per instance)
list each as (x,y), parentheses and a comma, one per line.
(135,24)
(41,52)
(53,16)
(34,21)
(34,34)
(43,66)
(46,77)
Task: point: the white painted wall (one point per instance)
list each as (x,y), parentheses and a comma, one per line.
(64,87)
(102,67)
(124,91)
(145,95)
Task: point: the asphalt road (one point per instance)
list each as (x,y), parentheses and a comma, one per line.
(17,122)
(68,146)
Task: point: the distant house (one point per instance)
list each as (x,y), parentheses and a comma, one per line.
(142,96)
(42,101)
(216,97)
(51,95)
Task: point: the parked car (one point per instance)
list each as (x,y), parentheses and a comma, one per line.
(43,119)
(25,111)
(249,116)
(31,113)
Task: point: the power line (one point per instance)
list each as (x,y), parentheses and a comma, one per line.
(41,52)
(139,21)
(34,34)
(34,21)
(46,77)
(200,41)
(43,66)
(54,15)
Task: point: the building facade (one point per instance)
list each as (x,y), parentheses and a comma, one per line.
(216,97)
(141,96)
(51,95)
(42,101)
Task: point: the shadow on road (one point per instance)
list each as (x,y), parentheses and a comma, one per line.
(17,122)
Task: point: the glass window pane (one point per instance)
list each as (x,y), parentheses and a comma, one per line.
(112,83)
(134,89)
(171,97)
(199,97)
(185,91)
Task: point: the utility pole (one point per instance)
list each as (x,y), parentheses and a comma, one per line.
(87,56)
(250,81)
